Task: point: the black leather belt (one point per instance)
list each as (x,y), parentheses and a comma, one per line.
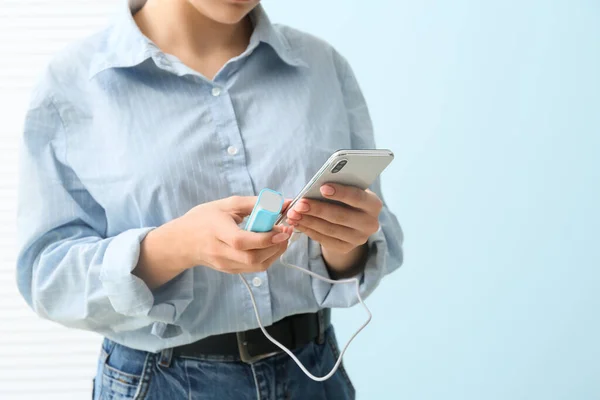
(293,332)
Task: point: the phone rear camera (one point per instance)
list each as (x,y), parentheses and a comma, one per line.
(339,166)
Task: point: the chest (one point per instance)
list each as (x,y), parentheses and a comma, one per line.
(167,143)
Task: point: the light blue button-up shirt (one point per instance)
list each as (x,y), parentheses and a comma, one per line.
(121,138)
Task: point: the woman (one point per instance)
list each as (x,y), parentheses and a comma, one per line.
(144,147)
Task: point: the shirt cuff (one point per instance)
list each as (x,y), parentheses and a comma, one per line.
(130,296)
(343,295)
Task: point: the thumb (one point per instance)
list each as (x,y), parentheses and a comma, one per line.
(240,205)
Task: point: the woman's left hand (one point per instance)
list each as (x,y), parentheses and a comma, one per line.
(338,228)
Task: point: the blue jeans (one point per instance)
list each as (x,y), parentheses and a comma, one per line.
(125,373)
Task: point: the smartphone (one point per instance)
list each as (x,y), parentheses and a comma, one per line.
(357,168)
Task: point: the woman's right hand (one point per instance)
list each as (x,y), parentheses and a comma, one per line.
(212,234)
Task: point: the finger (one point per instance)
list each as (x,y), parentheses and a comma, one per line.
(340,232)
(283,228)
(240,239)
(260,256)
(233,267)
(279,228)
(327,241)
(233,261)
(256,260)
(230,267)
(295,215)
(334,213)
(355,197)
(223,260)
(288,229)
(271,260)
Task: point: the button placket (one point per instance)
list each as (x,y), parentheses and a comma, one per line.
(259,285)
(237,176)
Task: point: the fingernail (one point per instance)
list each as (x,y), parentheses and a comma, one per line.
(302,207)
(327,190)
(280,237)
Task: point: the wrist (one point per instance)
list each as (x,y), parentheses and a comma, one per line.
(343,265)
(159,259)
(182,243)
(168,243)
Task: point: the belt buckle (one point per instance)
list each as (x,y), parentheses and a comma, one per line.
(243,349)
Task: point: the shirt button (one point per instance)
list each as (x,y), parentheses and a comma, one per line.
(232,150)
(216,91)
(256,281)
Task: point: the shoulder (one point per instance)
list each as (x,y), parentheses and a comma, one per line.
(312,49)
(66,73)
(60,85)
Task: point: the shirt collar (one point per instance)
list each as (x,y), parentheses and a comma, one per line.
(265,32)
(126,46)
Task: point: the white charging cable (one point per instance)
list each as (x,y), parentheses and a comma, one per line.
(282,347)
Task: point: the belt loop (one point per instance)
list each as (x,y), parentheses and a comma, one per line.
(165,358)
(320,317)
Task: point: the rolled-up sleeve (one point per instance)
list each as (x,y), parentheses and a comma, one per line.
(68,270)
(385,253)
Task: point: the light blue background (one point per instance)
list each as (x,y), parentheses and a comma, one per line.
(493,111)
